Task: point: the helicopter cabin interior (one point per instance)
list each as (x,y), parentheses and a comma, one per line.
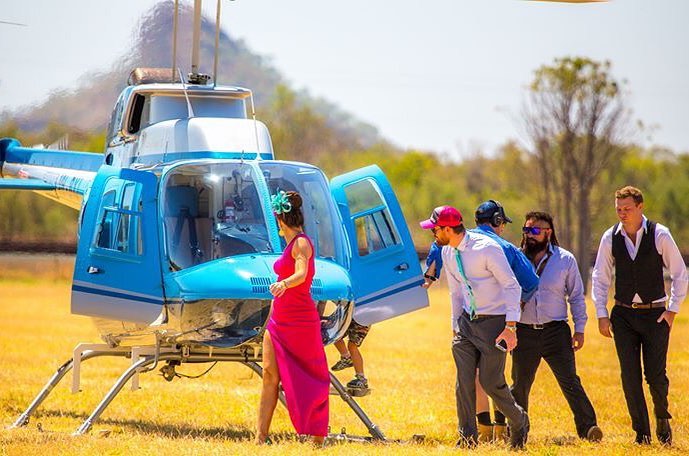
(212,211)
(215,210)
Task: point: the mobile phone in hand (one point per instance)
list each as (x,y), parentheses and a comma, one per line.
(502,345)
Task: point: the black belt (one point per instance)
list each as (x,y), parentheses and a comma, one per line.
(541,325)
(641,305)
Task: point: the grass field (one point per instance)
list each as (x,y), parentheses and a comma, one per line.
(408,362)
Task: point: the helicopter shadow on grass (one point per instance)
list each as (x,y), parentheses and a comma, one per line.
(173,431)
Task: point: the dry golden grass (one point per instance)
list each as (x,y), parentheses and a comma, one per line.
(408,362)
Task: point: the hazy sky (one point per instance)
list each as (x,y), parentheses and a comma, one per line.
(446,75)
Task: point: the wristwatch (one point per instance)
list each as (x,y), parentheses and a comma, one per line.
(430,277)
(512,328)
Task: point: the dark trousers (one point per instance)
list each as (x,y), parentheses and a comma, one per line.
(474,347)
(554,344)
(639,336)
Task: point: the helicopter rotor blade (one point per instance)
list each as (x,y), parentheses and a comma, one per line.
(13,23)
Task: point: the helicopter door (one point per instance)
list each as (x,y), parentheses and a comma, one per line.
(384,267)
(117,274)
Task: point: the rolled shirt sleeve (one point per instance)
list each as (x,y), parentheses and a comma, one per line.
(435,257)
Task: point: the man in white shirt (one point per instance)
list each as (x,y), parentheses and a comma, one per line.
(638,249)
(485,309)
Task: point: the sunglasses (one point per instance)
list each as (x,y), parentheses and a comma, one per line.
(535,230)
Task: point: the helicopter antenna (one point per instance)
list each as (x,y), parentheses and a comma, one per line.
(190,110)
(253,115)
(195,77)
(217,44)
(174,41)
(196,38)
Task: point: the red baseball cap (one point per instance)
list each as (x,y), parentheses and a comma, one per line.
(442,216)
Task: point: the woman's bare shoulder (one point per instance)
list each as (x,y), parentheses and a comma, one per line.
(302,247)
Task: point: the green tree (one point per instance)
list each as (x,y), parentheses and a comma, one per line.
(576,118)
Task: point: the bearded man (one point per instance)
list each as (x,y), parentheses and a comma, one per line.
(543,332)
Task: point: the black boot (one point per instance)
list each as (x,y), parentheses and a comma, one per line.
(663,431)
(519,436)
(642,439)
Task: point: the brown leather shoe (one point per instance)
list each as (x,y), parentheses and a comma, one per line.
(500,432)
(485,433)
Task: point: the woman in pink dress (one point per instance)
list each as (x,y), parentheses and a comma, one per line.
(293,352)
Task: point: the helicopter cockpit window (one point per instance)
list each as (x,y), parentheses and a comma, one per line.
(165,107)
(375,229)
(115,120)
(120,223)
(320,215)
(139,114)
(212,211)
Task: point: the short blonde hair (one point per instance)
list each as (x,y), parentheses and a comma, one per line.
(630,192)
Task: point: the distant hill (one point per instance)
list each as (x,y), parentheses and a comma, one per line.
(88,106)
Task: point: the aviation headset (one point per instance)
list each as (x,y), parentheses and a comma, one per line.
(497,218)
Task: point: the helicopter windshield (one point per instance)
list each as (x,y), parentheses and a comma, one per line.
(321,221)
(158,108)
(212,211)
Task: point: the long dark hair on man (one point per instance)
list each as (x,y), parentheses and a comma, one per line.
(544,217)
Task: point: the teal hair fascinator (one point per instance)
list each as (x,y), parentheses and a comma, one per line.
(280,203)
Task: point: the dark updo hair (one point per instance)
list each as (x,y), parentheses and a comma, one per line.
(295,217)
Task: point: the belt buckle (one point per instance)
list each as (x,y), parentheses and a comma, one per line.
(635,305)
(537,326)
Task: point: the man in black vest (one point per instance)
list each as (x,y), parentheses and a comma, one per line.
(638,249)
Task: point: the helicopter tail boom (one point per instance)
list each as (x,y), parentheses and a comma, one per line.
(64,176)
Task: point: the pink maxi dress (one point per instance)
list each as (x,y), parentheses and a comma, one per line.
(295,331)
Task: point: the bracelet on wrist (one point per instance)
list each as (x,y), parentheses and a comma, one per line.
(430,277)
(512,328)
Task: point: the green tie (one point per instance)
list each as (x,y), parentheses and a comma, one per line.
(472,300)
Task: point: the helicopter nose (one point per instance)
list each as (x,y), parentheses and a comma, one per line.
(240,277)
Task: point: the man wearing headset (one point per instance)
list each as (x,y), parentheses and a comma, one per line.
(490,220)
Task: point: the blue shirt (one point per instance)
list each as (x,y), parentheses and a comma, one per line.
(560,282)
(520,265)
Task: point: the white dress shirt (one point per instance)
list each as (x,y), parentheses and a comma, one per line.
(666,247)
(560,283)
(495,288)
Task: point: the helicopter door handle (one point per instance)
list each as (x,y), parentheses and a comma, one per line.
(402,267)
(94,270)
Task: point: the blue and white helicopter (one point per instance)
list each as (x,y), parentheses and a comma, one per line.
(177,237)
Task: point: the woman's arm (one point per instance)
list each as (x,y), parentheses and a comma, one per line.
(301,252)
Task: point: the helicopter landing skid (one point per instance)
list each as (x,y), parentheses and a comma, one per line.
(142,358)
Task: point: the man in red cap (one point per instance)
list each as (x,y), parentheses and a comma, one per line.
(485,309)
